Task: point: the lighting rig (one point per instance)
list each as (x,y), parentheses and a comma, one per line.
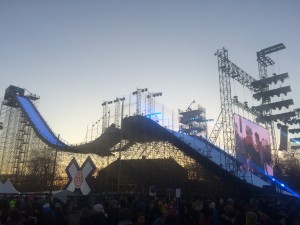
(118,115)
(244,106)
(93,125)
(151,102)
(106,115)
(295,141)
(138,94)
(264,93)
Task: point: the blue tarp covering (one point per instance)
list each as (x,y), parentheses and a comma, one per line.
(39,123)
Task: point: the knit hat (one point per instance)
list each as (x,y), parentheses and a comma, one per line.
(98,208)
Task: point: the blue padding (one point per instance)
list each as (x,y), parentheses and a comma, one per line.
(38,122)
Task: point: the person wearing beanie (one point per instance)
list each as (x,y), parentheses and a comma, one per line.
(99,217)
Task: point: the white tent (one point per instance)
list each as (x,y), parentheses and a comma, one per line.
(8,188)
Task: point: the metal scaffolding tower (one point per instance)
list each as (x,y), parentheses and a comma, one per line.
(106,115)
(10,119)
(151,101)
(138,94)
(118,110)
(263,112)
(227,71)
(226,101)
(22,147)
(15,136)
(193,121)
(226,104)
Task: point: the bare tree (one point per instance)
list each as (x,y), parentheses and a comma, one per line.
(40,170)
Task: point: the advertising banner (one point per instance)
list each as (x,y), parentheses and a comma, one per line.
(79,177)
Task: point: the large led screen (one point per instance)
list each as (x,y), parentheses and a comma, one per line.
(253,149)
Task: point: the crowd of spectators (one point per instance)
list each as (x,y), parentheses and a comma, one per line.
(136,210)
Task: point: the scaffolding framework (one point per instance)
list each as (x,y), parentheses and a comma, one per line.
(193,122)
(106,115)
(262,113)
(118,110)
(16,136)
(225,73)
(263,93)
(20,146)
(138,93)
(10,117)
(151,102)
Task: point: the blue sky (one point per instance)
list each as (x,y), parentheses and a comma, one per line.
(77,54)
